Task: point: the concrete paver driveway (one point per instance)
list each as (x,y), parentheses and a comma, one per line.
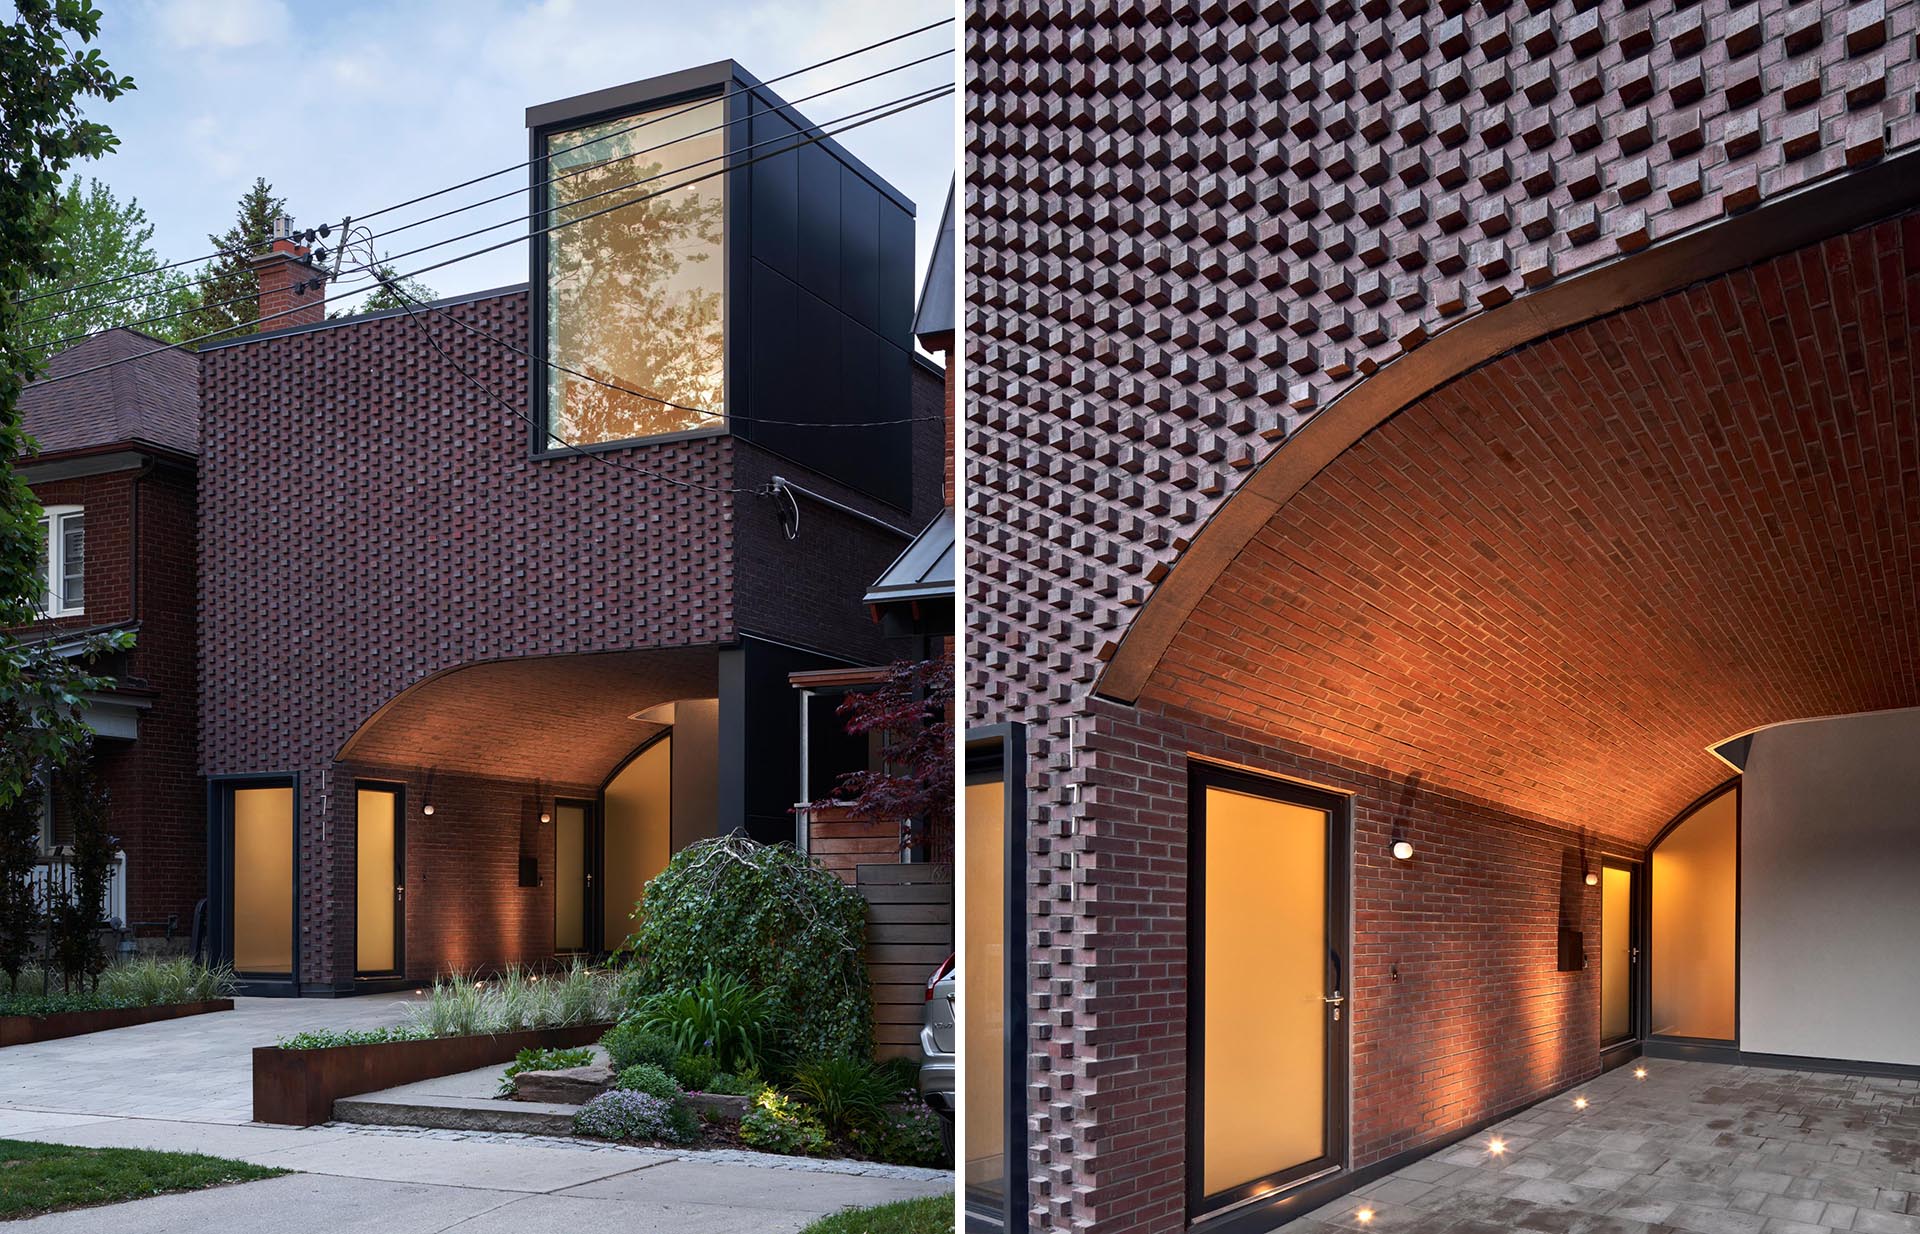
(1693,1147)
(186,1085)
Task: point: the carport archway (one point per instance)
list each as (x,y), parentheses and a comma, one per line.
(1551,584)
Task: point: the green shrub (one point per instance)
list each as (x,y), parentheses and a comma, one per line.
(534,1058)
(695,1071)
(728,1084)
(325,1038)
(717,1015)
(767,917)
(647,1078)
(630,1042)
(848,1093)
(147,982)
(778,1124)
(624,1115)
(905,1137)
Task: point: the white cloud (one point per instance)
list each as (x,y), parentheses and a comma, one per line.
(222,24)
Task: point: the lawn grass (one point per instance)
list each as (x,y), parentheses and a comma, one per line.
(45,1178)
(927,1215)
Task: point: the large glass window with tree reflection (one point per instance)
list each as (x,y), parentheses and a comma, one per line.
(635,321)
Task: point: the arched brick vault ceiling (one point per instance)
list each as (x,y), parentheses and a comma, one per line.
(562,719)
(1793,221)
(1550,584)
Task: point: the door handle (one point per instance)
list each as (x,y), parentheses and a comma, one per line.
(1336,1001)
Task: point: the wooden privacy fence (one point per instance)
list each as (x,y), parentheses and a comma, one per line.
(909,934)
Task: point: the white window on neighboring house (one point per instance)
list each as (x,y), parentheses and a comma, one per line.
(46,818)
(63,570)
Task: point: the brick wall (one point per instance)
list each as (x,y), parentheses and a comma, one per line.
(1480,1020)
(158,801)
(465,908)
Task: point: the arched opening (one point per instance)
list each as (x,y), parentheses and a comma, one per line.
(1512,620)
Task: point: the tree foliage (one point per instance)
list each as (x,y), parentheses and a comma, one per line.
(411,291)
(763,915)
(230,276)
(44,86)
(912,711)
(96,236)
(73,925)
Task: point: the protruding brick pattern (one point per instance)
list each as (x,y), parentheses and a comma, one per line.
(362,505)
(1195,223)
(1553,583)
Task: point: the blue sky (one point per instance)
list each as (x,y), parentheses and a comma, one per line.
(347,107)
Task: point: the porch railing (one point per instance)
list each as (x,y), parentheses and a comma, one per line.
(54,875)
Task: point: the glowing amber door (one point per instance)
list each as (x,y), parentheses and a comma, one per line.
(1696,880)
(1617,953)
(984,972)
(1270,1017)
(377,886)
(570,868)
(263,881)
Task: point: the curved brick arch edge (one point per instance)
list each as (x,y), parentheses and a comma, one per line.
(565,718)
(1839,204)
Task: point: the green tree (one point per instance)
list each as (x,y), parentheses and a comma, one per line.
(230,276)
(44,86)
(384,297)
(95,237)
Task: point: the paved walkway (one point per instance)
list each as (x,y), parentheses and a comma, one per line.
(1693,1147)
(186,1085)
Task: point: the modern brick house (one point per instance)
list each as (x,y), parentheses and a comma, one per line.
(115,472)
(1406,441)
(486,639)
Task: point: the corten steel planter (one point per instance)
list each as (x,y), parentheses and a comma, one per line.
(21,1029)
(297,1088)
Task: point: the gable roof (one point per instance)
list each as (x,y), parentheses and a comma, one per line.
(150,401)
(935,314)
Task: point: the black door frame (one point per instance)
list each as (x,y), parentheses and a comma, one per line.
(1339,810)
(398,791)
(220,872)
(590,867)
(1636,943)
(1000,751)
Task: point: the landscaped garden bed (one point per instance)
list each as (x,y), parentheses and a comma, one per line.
(138,991)
(461,1024)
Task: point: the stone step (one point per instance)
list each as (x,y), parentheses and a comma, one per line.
(457,1113)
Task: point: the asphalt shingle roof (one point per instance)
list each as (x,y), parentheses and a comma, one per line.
(154,400)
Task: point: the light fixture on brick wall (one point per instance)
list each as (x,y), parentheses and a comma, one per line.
(428,795)
(1402,847)
(540,800)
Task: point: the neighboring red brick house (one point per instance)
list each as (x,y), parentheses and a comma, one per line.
(1419,427)
(464,687)
(115,471)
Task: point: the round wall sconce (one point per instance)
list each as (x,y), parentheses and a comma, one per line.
(1593,879)
(546,816)
(427,808)
(1402,850)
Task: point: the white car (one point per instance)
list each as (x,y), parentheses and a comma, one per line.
(937,1042)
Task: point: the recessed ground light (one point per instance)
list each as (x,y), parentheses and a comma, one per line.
(1579,1103)
(1364,1216)
(1639,1073)
(1496,1146)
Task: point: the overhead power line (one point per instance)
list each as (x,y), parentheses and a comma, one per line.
(518,190)
(441,192)
(813,139)
(911,100)
(557,367)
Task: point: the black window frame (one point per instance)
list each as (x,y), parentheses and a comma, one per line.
(622,104)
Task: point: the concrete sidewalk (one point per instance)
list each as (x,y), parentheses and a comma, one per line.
(189,1090)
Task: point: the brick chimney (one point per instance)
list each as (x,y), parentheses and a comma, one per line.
(278,269)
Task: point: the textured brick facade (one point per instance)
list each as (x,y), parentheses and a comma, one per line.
(1195,229)
(369,519)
